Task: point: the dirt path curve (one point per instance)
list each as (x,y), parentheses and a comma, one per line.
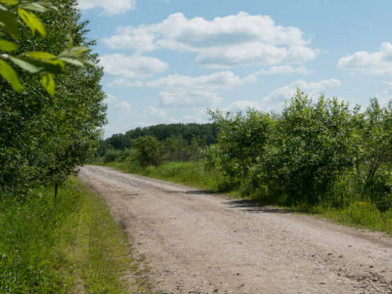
(201,243)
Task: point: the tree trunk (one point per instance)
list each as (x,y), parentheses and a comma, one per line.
(56,190)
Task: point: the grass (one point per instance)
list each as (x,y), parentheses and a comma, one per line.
(358,214)
(186,173)
(66,245)
(361,215)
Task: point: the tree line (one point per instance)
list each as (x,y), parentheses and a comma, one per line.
(206,133)
(147,151)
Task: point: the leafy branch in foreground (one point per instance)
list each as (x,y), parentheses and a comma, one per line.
(35,62)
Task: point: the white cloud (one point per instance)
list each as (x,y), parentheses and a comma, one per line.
(123,106)
(156,112)
(242,105)
(139,39)
(130,67)
(277,98)
(202,119)
(120,82)
(224,42)
(223,79)
(108,7)
(189,98)
(375,63)
(184,91)
(284,69)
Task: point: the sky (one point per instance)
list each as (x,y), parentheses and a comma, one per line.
(169,61)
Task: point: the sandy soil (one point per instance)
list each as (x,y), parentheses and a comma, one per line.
(200,243)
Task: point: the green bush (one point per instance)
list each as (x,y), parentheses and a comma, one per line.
(112,155)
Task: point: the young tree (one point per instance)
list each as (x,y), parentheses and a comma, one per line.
(241,141)
(147,150)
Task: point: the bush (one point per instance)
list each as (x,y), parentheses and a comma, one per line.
(112,155)
(146,151)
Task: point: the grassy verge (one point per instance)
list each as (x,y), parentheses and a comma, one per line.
(66,245)
(361,215)
(358,214)
(186,173)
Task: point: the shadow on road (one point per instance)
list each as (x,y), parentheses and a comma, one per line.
(252,206)
(247,205)
(193,192)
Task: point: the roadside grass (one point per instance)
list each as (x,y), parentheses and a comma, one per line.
(186,173)
(68,244)
(362,215)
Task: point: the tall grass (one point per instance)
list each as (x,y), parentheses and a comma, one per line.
(68,244)
(187,173)
(363,215)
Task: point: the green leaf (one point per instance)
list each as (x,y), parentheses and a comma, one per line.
(38,66)
(46,57)
(40,55)
(74,51)
(32,21)
(26,65)
(49,84)
(90,63)
(78,50)
(8,46)
(9,74)
(34,7)
(9,23)
(9,2)
(72,61)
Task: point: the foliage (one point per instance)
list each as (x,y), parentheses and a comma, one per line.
(146,151)
(242,139)
(35,62)
(205,133)
(310,150)
(44,138)
(374,157)
(313,153)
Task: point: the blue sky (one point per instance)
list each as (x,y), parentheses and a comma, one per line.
(168,61)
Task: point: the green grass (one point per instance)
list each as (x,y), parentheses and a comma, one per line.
(66,245)
(358,214)
(186,173)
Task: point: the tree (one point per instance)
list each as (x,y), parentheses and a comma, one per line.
(147,151)
(312,146)
(44,138)
(241,141)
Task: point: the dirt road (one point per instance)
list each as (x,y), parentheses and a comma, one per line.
(200,243)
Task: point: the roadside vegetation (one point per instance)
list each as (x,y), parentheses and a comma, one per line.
(56,236)
(64,244)
(320,156)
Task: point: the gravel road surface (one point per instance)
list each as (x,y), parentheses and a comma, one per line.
(196,242)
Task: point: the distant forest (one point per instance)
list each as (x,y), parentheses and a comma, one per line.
(206,132)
